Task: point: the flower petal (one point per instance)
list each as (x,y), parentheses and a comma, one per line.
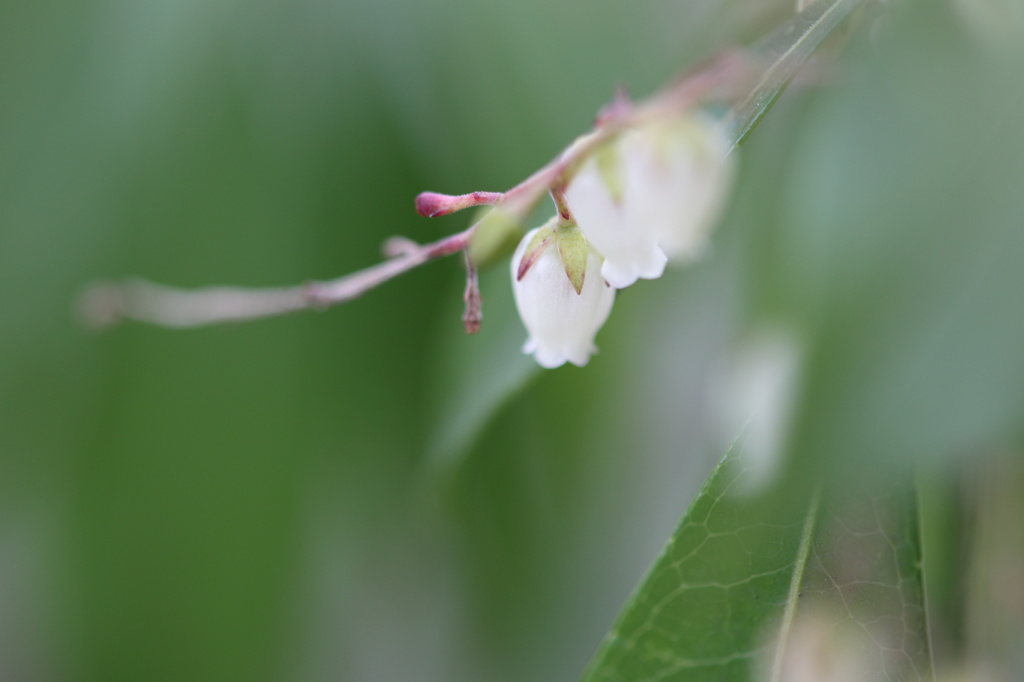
(561,322)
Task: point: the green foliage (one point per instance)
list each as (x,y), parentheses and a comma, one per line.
(262,501)
(726,598)
(905,254)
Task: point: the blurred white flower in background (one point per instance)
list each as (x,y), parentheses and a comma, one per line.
(755,393)
(820,645)
(653,195)
(560,294)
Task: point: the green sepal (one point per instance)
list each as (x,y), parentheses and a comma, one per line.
(544,237)
(574,251)
(496,235)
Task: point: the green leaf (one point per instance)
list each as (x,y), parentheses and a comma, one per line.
(737,585)
(785,51)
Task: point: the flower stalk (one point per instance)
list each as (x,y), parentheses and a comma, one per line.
(750,80)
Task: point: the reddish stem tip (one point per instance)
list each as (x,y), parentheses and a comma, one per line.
(430,204)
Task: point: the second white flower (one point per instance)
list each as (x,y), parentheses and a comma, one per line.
(652,195)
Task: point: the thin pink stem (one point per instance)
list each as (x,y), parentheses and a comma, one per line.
(561,204)
(433,204)
(104,304)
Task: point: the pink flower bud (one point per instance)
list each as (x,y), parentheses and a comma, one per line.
(432,204)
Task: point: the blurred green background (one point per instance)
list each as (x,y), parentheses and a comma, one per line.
(330,496)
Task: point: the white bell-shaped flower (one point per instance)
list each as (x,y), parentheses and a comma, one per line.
(652,195)
(562,298)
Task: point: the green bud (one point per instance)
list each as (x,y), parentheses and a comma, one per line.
(496,234)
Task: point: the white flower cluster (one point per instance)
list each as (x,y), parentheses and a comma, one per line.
(650,196)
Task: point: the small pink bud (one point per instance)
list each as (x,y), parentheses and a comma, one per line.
(433,204)
(430,204)
(616,109)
